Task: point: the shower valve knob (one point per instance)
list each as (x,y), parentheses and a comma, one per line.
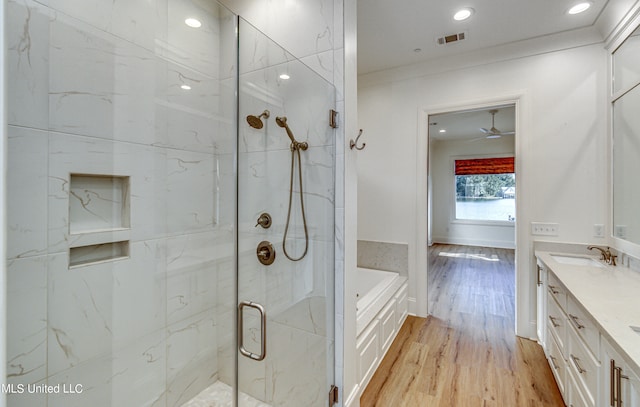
(266,253)
(264,220)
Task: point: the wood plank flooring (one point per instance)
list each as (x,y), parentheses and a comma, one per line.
(466,352)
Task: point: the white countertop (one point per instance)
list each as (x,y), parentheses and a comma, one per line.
(611,295)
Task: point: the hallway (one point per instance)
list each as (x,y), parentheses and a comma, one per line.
(465,353)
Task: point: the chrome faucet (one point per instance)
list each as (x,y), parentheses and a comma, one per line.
(605,254)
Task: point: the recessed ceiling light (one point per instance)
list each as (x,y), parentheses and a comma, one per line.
(463,14)
(284,76)
(579,8)
(193,23)
(185,87)
(443,131)
(417,49)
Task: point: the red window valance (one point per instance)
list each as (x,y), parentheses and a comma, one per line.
(478,166)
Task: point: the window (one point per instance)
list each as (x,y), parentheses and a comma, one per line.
(486,189)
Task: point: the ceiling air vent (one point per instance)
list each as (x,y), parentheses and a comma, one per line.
(448,39)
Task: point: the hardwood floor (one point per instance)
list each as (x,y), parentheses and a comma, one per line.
(466,352)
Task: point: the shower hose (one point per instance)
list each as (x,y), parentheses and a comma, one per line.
(295,149)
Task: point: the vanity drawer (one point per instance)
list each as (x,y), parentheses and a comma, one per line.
(584,325)
(585,368)
(557,290)
(558,365)
(557,322)
(575,396)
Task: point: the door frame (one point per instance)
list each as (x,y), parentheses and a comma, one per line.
(524,324)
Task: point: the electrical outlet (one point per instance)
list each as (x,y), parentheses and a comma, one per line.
(598,230)
(544,229)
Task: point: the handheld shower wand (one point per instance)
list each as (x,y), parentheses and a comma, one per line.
(295,148)
(295,145)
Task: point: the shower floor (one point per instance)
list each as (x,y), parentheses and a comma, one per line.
(220,394)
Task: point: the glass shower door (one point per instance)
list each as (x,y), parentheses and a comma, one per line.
(286,156)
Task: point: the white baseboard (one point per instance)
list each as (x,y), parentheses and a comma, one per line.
(412,306)
(500,244)
(354,397)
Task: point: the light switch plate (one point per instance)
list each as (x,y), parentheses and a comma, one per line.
(544,229)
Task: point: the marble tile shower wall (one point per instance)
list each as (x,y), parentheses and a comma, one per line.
(95,88)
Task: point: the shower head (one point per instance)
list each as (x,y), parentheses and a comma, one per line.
(282,122)
(256,121)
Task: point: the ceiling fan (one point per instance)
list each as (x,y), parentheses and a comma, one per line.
(493,132)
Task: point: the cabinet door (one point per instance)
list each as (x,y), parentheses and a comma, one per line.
(632,390)
(610,360)
(629,393)
(542,304)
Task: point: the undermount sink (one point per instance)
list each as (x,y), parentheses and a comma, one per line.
(576,260)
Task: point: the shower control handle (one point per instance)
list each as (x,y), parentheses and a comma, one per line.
(264,220)
(266,253)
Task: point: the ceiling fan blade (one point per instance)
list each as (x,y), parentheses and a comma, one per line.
(485,131)
(473,140)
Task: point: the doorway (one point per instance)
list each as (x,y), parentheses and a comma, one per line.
(471,201)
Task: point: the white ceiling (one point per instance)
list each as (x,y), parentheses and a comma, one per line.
(467,124)
(389,31)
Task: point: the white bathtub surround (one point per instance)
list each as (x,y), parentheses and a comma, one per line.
(384,256)
(375,289)
(382,309)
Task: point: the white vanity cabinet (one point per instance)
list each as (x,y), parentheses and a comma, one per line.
(570,351)
(589,366)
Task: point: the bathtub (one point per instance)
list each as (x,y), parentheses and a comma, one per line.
(381,308)
(375,288)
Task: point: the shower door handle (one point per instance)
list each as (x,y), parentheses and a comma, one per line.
(263,330)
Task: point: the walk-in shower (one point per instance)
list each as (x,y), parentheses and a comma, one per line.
(134,185)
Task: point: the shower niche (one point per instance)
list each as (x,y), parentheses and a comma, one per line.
(99,218)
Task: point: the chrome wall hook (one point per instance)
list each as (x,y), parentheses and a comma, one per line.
(353,144)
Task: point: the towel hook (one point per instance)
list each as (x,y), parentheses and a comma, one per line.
(353,144)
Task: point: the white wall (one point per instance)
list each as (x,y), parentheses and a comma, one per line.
(561,147)
(445,229)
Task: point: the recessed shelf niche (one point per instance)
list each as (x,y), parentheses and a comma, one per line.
(99,219)
(98,203)
(98,253)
